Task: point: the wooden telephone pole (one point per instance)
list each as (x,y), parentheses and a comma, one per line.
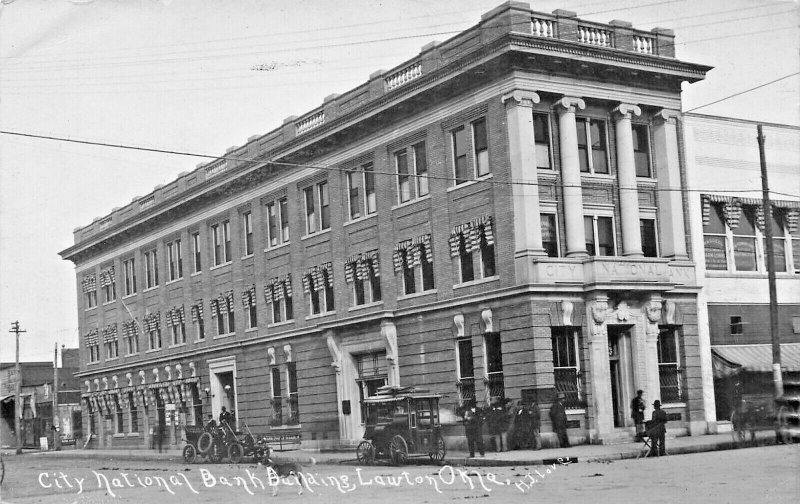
(17,404)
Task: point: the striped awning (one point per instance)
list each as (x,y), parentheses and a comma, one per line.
(730,359)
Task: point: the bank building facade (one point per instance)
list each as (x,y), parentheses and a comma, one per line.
(502,215)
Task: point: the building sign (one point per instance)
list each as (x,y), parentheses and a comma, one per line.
(716,257)
(8,381)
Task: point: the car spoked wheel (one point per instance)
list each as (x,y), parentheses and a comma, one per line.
(189,454)
(398,450)
(365,453)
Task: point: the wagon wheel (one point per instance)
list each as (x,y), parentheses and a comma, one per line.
(216,452)
(365,453)
(189,453)
(398,450)
(438,449)
(235,452)
(204,443)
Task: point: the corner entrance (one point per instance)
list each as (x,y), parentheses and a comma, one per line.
(621,367)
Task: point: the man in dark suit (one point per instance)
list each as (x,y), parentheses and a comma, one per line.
(473,428)
(658,432)
(558,415)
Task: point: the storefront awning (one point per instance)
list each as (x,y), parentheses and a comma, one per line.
(7,398)
(730,359)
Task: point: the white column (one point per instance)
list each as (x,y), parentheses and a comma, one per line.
(522,155)
(603,409)
(668,173)
(571,175)
(389,333)
(626,175)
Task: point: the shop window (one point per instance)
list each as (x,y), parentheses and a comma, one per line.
(566,365)
(714,239)
(494,364)
(466,372)
(744,242)
(544,142)
(649,237)
(592,145)
(669,370)
(599,232)
(549,234)
(641,150)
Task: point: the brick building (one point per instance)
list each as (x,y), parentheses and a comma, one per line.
(724,175)
(501,215)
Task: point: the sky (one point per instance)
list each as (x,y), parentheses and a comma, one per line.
(204,75)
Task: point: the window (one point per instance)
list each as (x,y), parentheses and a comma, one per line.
(175,260)
(481,144)
(362,272)
(541,135)
(222,310)
(549,234)
(131,333)
(737,327)
(566,364)
(494,364)
(151,269)
(197,318)
(317,197)
(247,233)
(108,283)
(278,294)
(473,245)
(414,259)
(795,241)
(480,152)
(361,191)
(119,415)
(412,172)
(371,368)
(91,299)
(89,287)
(669,370)
(178,333)
(599,232)
(592,153)
(641,149)
(112,349)
(294,403)
(714,238)
(778,245)
(198,265)
(649,237)
(318,284)
(250,310)
(459,136)
(130,276)
(94,352)
(277,402)
(134,413)
(744,242)
(154,339)
(222,242)
(466,371)
(277,222)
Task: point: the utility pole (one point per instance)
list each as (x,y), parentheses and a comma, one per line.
(17,404)
(56,432)
(777,379)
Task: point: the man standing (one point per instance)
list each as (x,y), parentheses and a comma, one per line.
(536,425)
(659,430)
(558,415)
(473,428)
(637,413)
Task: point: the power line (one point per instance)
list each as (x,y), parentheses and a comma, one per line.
(743,92)
(493,181)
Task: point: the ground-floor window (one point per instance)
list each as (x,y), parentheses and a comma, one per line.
(134,413)
(494,364)
(669,368)
(466,372)
(372,375)
(566,364)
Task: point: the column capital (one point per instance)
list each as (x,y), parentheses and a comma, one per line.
(626,110)
(520,98)
(667,116)
(570,104)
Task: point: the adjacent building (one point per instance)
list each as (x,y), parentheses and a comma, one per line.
(503,215)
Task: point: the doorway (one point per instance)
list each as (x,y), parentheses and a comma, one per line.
(621,367)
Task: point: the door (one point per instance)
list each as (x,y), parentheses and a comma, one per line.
(620,365)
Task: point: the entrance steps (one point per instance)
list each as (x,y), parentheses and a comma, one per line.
(621,436)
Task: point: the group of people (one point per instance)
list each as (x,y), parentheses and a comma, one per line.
(657,431)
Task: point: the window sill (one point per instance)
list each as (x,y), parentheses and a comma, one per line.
(360,219)
(251,329)
(199,340)
(128,296)
(132,354)
(90,309)
(218,266)
(174,281)
(91,363)
(278,246)
(476,282)
(196,273)
(150,289)
(221,336)
(412,201)
(152,350)
(118,435)
(417,294)
(576,411)
(248,256)
(133,434)
(178,345)
(285,427)
(109,302)
(312,235)
(365,306)
(470,183)
(321,315)
(112,359)
(606,177)
(280,324)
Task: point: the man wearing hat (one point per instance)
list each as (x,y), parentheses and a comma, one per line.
(659,430)
(558,415)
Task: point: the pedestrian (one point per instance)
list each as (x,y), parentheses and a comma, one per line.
(498,424)
(224,416)
(558,415)
(160,436)
(473,429)
(658,432)
(521,438)
(637,413)
(536,425)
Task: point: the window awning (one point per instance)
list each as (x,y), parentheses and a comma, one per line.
(730,359)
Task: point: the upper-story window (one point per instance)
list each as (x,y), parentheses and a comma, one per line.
(175,260)
(130,332)
(176,321)
(464,168)
(361,191)
(92,340)
(599,232)
(278,295)
(108,283)
(152,327)
(222,310)
(196,256)
(649,235)
(318,285)
(472,244)
(411,164)
(544,142)
(317,203)
(247,233)
(221,234)
(197,318)
(362,272)
(129,267)
(592,145)
(89,286)
(277,222)
(151,268)
(414,259)
(550,234)
(250,309)
(641,150)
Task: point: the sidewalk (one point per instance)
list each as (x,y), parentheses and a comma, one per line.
(577,453)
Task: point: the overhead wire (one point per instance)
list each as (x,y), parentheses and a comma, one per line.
(743,92)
